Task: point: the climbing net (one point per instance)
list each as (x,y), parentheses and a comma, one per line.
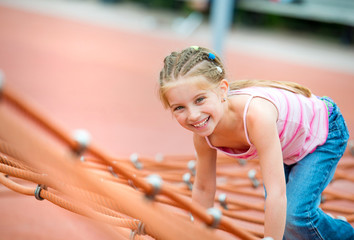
(138,197)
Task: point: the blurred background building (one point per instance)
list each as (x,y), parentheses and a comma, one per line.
(331,19)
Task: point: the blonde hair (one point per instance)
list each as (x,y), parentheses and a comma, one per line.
(196,61)
(290,86)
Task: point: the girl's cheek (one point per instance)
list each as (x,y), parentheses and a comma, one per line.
(178,117)
(181,119)
(175,115)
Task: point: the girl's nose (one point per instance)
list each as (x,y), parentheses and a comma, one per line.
(194,114)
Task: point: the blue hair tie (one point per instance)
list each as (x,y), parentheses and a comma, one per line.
(211,56)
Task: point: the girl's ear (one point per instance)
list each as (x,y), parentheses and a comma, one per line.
(224,88)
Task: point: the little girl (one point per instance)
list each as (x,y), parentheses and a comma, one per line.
(297,137)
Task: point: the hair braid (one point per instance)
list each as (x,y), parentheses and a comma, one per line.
(169,63)
(184,57)
(198,58)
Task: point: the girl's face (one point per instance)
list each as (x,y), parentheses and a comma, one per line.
(196,108)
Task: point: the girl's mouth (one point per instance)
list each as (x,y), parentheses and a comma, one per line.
(202,123)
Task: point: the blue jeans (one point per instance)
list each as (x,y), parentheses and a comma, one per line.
(305,181)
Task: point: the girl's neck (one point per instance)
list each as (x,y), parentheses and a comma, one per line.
(231,120)
(230,131)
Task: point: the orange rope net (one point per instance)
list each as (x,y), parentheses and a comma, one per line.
(137,197)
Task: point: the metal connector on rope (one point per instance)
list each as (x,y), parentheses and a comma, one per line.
(191,217)
(191,166)
(83,138)
(187,180)
(139,231)
(252,177)
(242,162)
(216,214)
(159,157)
(222,200)
(323,198)
(134,158)
(156,182)
(110,169)
(132,235)
(131,183)
(37,191)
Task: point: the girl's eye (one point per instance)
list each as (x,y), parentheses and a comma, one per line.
(177,108)
(199,100)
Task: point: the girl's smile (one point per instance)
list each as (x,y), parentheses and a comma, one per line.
(202,124)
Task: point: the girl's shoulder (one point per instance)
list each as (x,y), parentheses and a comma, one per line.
(261,107)
(254,107)
(244,100)
(239,100)
(237,103)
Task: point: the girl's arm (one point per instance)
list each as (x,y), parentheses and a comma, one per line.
(204,186)
(262,130)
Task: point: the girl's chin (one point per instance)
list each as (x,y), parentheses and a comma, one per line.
(205,133)
(198,131)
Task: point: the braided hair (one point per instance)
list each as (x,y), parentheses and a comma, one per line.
(199,61)
(190,62)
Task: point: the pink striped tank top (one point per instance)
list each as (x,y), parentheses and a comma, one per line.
(302,123)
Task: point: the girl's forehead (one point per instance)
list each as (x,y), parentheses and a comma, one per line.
(195,82)
(183,90)
(186,90)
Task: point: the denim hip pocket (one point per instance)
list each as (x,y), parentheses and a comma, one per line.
(338,134)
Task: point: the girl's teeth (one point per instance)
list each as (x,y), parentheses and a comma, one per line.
(202,123)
